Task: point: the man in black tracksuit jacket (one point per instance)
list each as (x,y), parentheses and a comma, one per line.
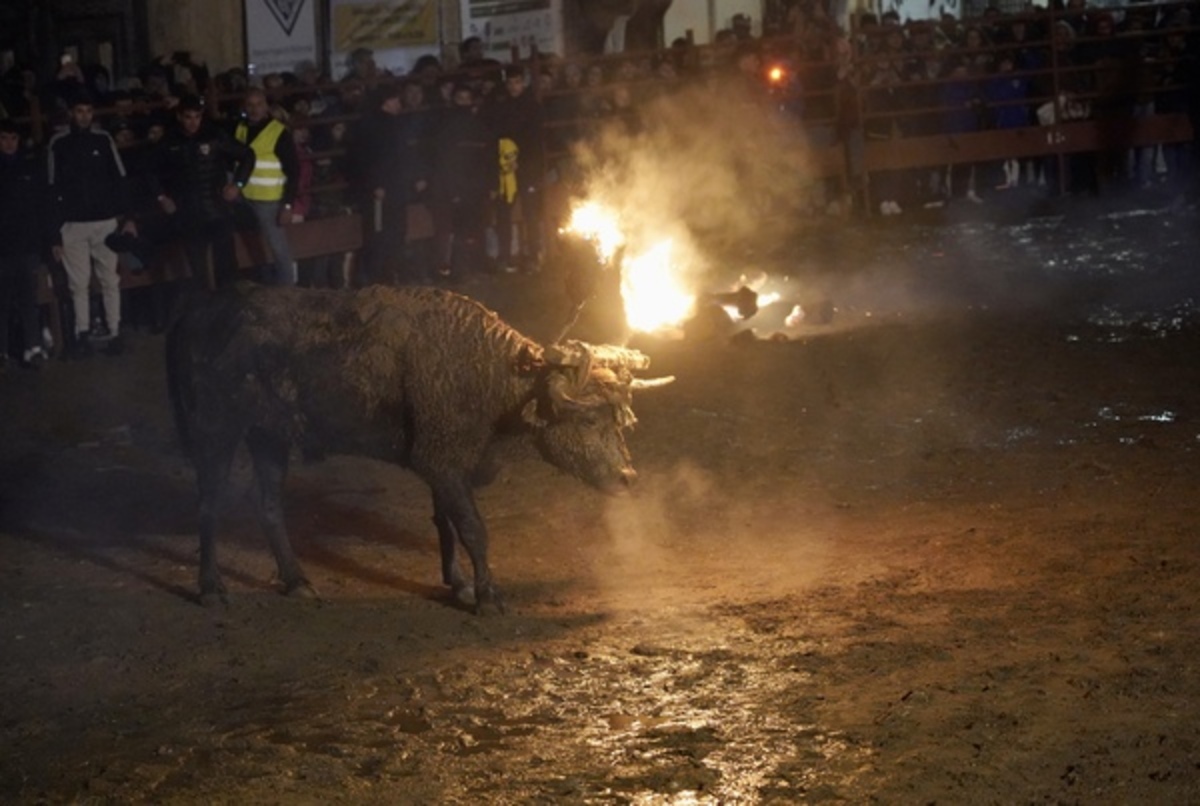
(24,236)
(90,198)
(198,170)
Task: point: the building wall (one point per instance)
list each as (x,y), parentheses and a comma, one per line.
(212,30)
(705,17)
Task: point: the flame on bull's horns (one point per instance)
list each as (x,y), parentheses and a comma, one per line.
(599,225)
(653,292)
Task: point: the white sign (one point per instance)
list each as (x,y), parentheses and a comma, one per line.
(279,35)
(503,24)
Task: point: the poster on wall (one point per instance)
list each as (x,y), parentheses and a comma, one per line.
(279,34)
(383,26)
(397,32)
(503,24)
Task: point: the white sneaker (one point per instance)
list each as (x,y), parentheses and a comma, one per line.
(973,197)
(885,208)
(896,208)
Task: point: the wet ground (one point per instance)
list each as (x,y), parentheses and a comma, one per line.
(941,549)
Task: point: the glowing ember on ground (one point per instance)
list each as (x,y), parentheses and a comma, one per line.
(654,294)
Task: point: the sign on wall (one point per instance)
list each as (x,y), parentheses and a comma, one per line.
(383,26)
(501,24)
(279,34)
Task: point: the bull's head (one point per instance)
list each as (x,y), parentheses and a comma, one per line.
(580,414)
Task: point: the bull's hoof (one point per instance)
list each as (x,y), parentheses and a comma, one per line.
(463,594)
(489,598)
(301,589)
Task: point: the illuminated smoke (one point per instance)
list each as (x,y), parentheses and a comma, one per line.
(702,170)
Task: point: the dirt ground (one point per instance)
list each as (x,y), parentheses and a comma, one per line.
(942,549)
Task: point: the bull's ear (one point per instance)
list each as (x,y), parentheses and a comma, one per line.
(530,414)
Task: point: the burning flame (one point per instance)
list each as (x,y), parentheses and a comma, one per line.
(654,294)
(600,226)
(652,286)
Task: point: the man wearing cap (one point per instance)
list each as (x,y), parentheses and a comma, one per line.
(24,235)
(91,201)
(271,186)
(200,170)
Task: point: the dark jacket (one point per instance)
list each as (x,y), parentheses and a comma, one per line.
(193,170)
(466,160)
(87,177)
(25,218)
(521,120)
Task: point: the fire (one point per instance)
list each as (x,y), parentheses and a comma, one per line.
(652,285)
(600,225)
(654,294)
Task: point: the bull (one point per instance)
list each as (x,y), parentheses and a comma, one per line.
(423,378)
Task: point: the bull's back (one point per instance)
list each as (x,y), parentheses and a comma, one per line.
(330,371)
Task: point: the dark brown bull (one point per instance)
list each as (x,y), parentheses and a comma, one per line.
(421,378)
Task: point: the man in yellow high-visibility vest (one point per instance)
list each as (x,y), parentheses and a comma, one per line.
(271,186)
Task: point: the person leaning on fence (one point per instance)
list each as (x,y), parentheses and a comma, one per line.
(90,198)
(24,236)
(199,170)
(270,189)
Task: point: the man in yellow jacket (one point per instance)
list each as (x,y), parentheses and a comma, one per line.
(272,184)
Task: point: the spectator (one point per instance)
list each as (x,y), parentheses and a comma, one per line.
(362,67)
(201,168)
(742,28)
(595,100)
(1006,97)
(386,183)
(1176,61)
(961,106)
(426,73)
(87,182)
(24,235)
(518,117)
(271,187)
(464,170)
(471,53)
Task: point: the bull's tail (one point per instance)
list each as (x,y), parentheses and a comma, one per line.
(180,381)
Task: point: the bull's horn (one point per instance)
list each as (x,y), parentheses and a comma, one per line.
(651,383)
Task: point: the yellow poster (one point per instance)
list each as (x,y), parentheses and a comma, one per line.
(380,26)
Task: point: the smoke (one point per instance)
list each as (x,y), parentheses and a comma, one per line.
(680,538)
(710,162)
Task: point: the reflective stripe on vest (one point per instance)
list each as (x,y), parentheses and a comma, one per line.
(267,180)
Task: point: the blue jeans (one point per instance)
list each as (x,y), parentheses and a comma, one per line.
(283,272)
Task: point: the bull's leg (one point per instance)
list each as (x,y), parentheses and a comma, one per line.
(270,455)
(457,503)
(212,476)
(448,542)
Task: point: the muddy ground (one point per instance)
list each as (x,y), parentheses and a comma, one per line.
(942,549)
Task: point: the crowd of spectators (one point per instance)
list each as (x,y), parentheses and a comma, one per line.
(461,153)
